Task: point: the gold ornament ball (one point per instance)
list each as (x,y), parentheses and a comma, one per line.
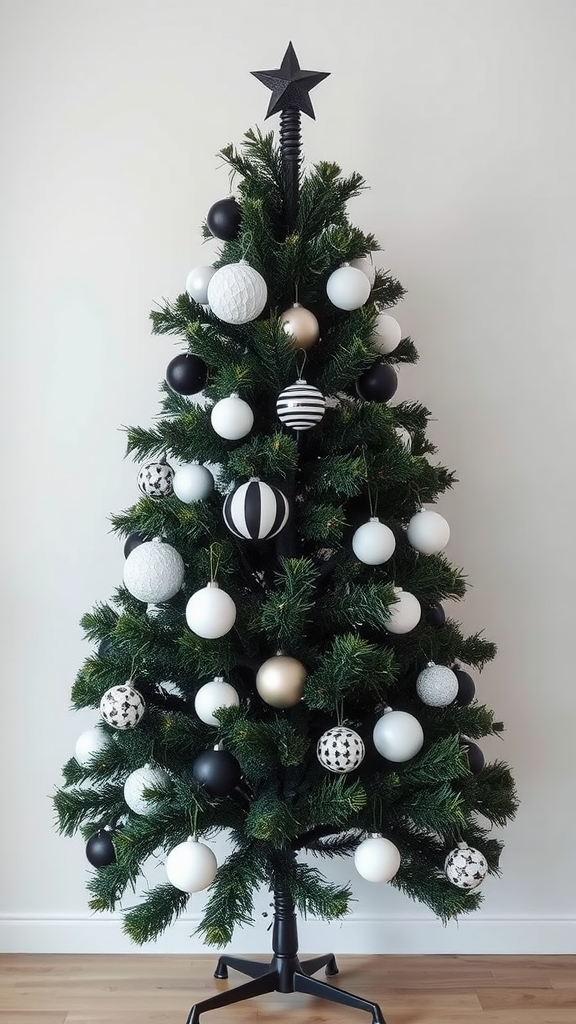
(301,326)
(280,681)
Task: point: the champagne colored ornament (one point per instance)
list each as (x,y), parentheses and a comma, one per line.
(398,736)
(212,696)
(191,866)
(301,326)
(280,681)
(404,614)
(377,859)
(428,532)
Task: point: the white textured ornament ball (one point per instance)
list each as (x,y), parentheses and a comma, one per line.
(366,265)
(211,612)
(147,777)
(466,867)
(404,614)
(122,707)
(153,572)
(398,736)
(300,406)
(387,336)
(256,510)
(212,696)
(437,685)
(197,283)
(348,288)
(373,543)
(377,859)
(237,293)
(155,479)
(404,436)
(232,418)
(428,532)
(340,750)
(89,743)
(191,866)
(193,482)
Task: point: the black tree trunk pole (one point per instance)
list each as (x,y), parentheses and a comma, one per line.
(290,147)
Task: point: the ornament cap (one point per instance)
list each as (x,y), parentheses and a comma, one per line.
(430,664)
(374,519)
(463,846)
(213,583)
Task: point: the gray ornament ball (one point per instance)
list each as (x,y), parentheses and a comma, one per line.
(437,685)
(155,479)
(340,750)
(122,707)
(465,867)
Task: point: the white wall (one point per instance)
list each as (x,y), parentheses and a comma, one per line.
(460,115)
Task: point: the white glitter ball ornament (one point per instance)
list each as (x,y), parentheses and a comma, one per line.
(377,859)
(465,867)
(232,418)
(193,482)
(197,283)
(398,736)
(437,685)
(340,750)
(237,293)
(211,612)
(373,543)
(213,695)
(404,614)
(428,532)
(348,288)
(387,336)
(153,572)
(89,743)
(147,777)
(122,707)
(155,479)
(191,866)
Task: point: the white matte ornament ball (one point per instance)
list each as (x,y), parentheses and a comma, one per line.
(211,612)
(122,707)
(191,866)
(398,736)
(340,750)
(213,695)
(387,336)
(197,283)
(373,543)
(466,867)
(300,406)
(366,265)
(153,572)
(437,685)
(147,777)
(348,288)
(89,743)
(404,614)
(193,482)
(237,293)
(232,418)
(155,479)
(428,532)
(404,436)
(377,859)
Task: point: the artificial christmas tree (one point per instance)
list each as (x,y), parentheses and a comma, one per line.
(278,663)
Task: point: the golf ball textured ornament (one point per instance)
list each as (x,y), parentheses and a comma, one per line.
(256,511)
(122,707)
(465,867)
(153,572)
(301,406)
(340,750)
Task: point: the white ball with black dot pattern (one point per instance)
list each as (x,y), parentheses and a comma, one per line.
(256,510)
(465,867)
(340,750)
(122,707)
(301,405)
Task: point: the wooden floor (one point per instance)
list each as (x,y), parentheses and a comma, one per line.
(143,989)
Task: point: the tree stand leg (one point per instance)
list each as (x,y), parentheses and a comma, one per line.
(284,973)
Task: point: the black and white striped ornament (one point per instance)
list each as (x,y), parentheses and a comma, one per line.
(255,510)
(301,405)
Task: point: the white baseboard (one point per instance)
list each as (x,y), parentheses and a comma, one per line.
(357,934)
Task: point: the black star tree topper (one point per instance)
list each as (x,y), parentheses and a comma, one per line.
(290,85)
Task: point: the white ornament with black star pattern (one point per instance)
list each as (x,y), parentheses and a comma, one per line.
(340,750)
(122,707)
(155,479)
(466,867)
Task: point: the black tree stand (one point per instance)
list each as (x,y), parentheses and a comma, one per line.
(285,972)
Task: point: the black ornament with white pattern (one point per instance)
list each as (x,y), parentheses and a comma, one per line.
(301,406)
(340,750)
(256,510)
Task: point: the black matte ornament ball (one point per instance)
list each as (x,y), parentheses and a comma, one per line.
(134,540)
(217,771)
(223,219)
(435,615)
(476,758)
(378,383)
(100,849)
(186,374)
(466,687)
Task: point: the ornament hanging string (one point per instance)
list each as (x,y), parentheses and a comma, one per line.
(372,503)
(300,368)
(215,556)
